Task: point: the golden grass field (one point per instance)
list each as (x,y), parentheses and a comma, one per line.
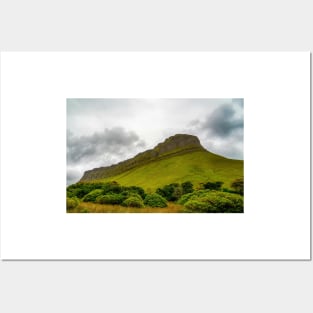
(88,207)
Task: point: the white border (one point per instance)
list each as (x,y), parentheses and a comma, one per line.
(276,222)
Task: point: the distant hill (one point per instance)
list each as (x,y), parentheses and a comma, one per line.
(179,158)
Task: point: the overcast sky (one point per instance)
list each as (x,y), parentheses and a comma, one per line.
(101,132)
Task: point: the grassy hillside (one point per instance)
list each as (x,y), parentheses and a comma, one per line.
(198,166)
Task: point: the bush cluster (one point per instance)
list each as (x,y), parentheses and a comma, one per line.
(134,201)
(214,202)
(155,200)
(238,185)
(80,190)
(173,192)
(187,196)
(107,193)
(211,197)
(110,199)
(92,195)
(213,185)
(71,203)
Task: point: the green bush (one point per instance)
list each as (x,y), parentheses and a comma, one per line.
(193,195)
(213,185)
(196,206)
(80,190)
(92,195)
(110,199)
(128,193)
(177,193)
(184,198)
(134,201)
(214,202)
(237,201)
(171,192)
(71,203)
(187,187)
(111,187)
(155,200)
(238,185)
(228,190)
(134,190)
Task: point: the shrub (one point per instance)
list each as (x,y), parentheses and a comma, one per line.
(134,190)
(78,190)
(228,190)
(184,198)
(70,193)
(111,187)
(171,192)
(197,206)
(214,202)
(213,185)
(134,201)
(155,200)
(237,201)
(131,192)
(110,199)
(161,192)
(193,195)
(177,193)
(71,203)
(92,195)
(187,187)
(238,185)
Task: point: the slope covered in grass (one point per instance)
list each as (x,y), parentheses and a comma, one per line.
(197,167)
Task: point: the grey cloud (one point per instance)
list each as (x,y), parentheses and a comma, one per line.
(238,101)
(221,131)
(141,144)
(194,123)
(223,122)
(106,146)
(231,147)
(72,175)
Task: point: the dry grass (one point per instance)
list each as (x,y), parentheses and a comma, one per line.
(88,207)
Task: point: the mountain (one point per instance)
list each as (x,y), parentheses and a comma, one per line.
(179,158)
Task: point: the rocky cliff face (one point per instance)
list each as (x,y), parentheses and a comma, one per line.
(174,145)
(179,141)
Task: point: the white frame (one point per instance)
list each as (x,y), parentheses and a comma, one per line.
(276,91)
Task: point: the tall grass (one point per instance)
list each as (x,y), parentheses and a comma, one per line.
(88,207)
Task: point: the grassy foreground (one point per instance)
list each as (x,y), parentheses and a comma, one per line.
(89,207)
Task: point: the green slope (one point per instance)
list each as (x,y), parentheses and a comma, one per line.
(198,166)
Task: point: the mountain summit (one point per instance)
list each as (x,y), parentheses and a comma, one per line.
(179,141)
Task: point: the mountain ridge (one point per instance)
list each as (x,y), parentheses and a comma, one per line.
(172,146)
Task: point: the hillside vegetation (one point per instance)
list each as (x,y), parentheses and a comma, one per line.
(197,167)
(111,197)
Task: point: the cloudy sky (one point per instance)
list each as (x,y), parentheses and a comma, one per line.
(101,132)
